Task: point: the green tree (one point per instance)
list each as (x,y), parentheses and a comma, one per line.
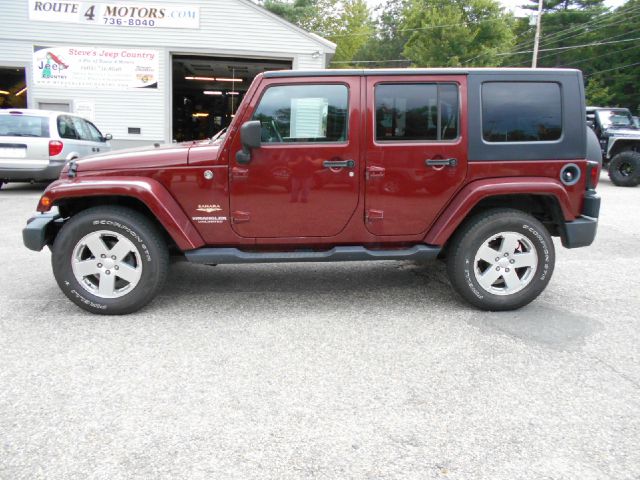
(597,93)
(351,31)
(385,46)
(449,33)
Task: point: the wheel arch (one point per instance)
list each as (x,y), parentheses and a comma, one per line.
(621,145)
(145,196)
(545,199)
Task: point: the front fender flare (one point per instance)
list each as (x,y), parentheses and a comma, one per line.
(150,192)
(469,196)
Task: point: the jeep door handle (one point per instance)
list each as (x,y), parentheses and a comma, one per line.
(339,164)
(444,162)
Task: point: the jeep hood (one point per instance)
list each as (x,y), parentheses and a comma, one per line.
(168,155)
(623,132)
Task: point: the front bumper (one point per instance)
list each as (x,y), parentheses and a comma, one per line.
(40,230)
(582,231)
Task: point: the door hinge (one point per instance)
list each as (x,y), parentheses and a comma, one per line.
(374,215)
(240,217)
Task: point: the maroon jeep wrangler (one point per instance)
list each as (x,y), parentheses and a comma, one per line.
(477,167)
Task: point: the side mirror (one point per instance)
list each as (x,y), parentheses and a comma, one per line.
(108,137)
(250,136)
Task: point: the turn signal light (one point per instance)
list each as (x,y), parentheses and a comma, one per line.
(45,202)
(55,147)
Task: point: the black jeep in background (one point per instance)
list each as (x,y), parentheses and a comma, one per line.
(619,141)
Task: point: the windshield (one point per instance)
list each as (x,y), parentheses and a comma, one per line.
(23,126)
(615,118)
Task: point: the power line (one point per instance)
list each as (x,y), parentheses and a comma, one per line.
(595,44)
(430,27)
(612,38)
(599,56)
(615,68)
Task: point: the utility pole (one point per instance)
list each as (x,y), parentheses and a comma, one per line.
(536,42)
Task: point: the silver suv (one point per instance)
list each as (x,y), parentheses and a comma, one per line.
(36,144)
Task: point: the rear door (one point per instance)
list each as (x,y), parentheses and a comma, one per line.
(303,181)
(24,141)
(416,155)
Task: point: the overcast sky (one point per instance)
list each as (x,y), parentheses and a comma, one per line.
(510,4)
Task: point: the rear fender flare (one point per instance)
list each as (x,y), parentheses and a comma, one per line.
(459,208)
(150,192)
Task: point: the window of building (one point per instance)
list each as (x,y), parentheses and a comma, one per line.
(409,112)
(521,111)
(304,113)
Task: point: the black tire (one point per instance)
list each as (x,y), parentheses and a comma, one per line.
(152,257)
(624,169)
(464,271)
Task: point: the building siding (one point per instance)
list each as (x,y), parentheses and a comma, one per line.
(233,28)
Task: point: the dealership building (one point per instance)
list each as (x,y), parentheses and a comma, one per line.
(146,71)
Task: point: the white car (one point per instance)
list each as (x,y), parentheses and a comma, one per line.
(36,144)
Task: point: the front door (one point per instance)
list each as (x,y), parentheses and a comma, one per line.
(303,181)
(416,150)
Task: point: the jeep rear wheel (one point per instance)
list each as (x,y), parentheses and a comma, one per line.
(624,169)
(111,261)
(501,260)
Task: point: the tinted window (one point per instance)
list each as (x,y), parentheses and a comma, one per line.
(82,128)
(66,128)
(304,113)
(521,112)
(96,136)
(416,112)
(23,126)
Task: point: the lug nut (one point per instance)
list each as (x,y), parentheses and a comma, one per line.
(497,269)
(506,270)
(506,254)
(99,265)
(116,267)
(103,256)
(497,259)
(108,272)
(512,261)
(113,257)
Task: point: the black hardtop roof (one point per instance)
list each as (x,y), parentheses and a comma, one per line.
(418,71)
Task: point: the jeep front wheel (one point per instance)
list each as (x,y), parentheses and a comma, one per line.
(501,260)
(624,169)
(110,261)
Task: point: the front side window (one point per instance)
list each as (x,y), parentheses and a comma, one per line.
(96,136)
(521,111)
(409,112)
(304,113)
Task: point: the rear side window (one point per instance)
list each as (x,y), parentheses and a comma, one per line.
(406,112)
(67,129)
(304,113)
(521,111)
(24,126)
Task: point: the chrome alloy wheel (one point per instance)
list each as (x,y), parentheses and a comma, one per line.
(505,263)
(106,264)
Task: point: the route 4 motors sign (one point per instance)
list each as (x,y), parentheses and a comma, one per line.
(116,14)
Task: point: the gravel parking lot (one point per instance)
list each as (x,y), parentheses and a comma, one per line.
(363,370)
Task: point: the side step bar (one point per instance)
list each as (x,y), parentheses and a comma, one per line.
(211,256)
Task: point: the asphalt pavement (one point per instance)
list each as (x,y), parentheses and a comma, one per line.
(369,370)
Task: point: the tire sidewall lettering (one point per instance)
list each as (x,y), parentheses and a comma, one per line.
(131,233)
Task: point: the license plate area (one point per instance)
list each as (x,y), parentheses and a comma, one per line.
(13,150)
